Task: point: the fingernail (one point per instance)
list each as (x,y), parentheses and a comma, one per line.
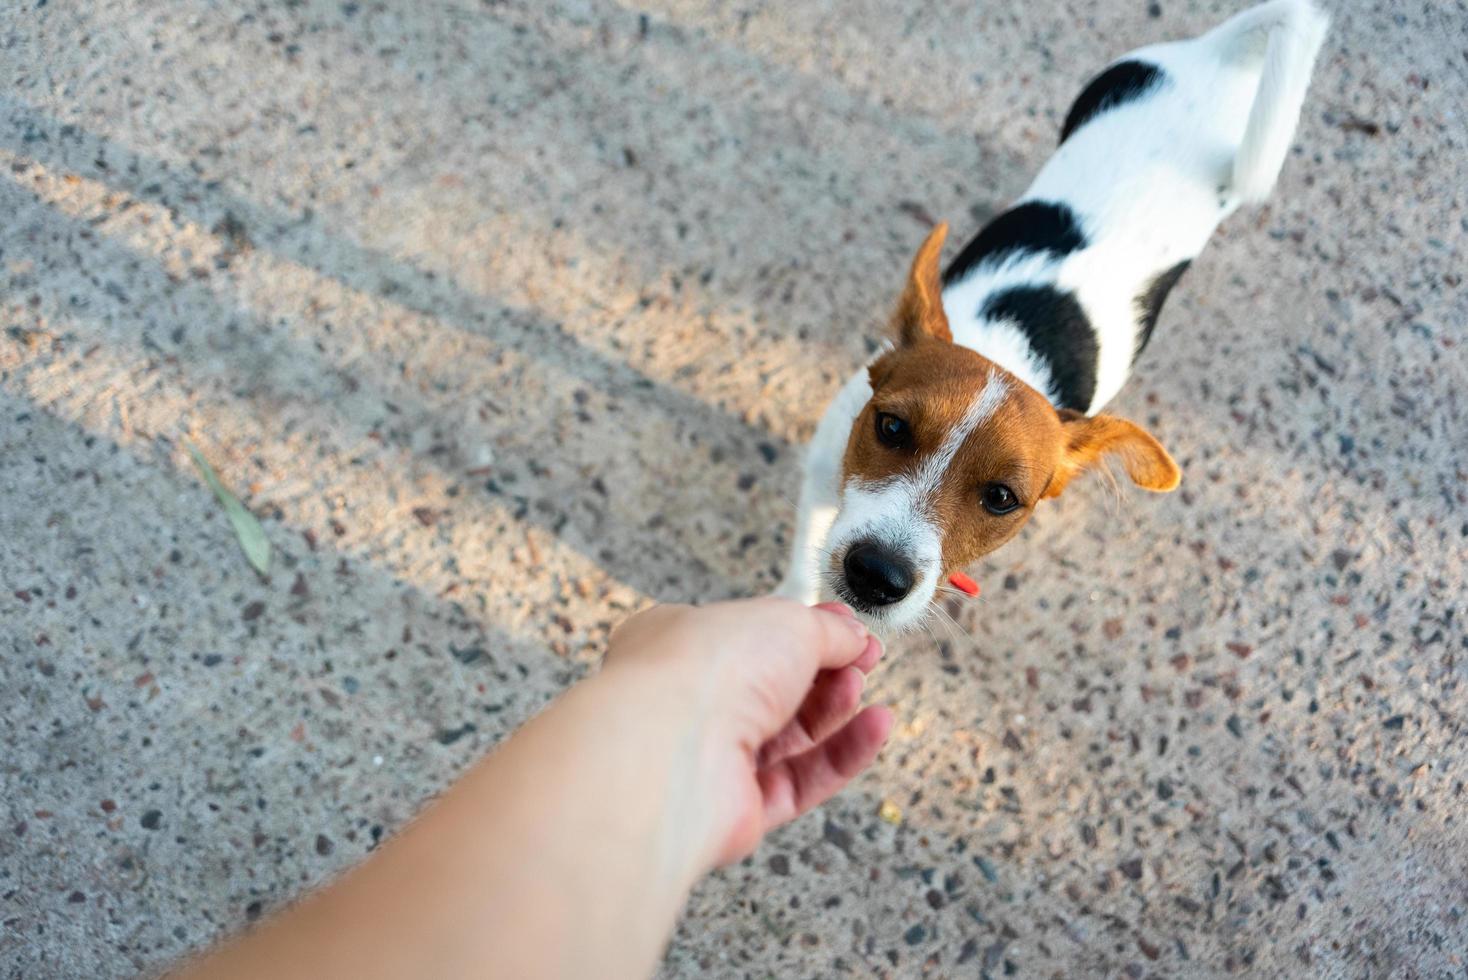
(840,608)
(870,655)
(857,627)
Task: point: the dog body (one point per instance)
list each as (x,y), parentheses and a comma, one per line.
(937,451)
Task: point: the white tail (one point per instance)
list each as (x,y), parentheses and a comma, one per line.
(1287,35)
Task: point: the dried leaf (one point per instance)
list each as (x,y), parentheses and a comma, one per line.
(246,528)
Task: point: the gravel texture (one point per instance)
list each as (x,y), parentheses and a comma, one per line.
(507,318)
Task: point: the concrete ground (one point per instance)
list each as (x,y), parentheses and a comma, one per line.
(508,318)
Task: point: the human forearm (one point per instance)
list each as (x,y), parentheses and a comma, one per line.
(602,790)
(569,851)
(551,857)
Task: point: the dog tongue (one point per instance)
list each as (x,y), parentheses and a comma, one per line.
(963,583)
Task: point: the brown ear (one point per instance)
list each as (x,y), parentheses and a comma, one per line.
(1088,439)
(920,310)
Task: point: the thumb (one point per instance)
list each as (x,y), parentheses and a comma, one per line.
(824,637)
(840,638)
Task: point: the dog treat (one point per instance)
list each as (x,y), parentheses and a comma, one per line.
(963,583)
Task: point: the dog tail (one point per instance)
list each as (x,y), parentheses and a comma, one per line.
(1285,35)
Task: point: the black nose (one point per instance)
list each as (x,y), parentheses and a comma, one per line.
(875,576)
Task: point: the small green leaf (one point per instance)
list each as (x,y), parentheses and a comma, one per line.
(248,530)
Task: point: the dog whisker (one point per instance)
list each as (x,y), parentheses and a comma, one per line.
(954,626)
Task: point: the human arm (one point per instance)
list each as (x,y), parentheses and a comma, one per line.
(570,849)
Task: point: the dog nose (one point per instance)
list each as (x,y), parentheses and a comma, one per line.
(876,577)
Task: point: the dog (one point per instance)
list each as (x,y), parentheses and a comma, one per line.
(987,399)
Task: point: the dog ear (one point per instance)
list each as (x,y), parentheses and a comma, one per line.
(920,310)
(1088,439)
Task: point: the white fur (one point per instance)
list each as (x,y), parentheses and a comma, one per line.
(820,491)
(991,396)
(1149,180)
(1287,34)
(997,340)
(897,513)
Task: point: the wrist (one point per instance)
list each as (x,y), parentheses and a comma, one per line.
(595,787)
(673,722)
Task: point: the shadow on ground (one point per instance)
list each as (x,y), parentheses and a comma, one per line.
(508,320)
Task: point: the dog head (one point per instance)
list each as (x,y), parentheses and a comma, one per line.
(950,457)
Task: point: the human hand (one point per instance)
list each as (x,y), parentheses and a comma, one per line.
(569,850)
(768,693)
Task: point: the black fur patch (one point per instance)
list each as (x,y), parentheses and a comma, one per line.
(1035,226)
(1149,301)
(1123,82)
(1060,333)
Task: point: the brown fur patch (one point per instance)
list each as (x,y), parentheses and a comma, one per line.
(1089,438)
(1025,444)
(931,385)
(920,308)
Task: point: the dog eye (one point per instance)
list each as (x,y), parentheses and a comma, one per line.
(998,499)
(892,431)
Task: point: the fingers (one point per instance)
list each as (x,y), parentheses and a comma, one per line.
(822,701)
(839,637)
(795,785)
(823,637)
(836,607)
(833,698)
(869,656)
(873,652)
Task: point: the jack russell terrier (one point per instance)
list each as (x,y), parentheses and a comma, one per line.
(987,399)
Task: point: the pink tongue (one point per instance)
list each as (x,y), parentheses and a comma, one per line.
(963,583)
